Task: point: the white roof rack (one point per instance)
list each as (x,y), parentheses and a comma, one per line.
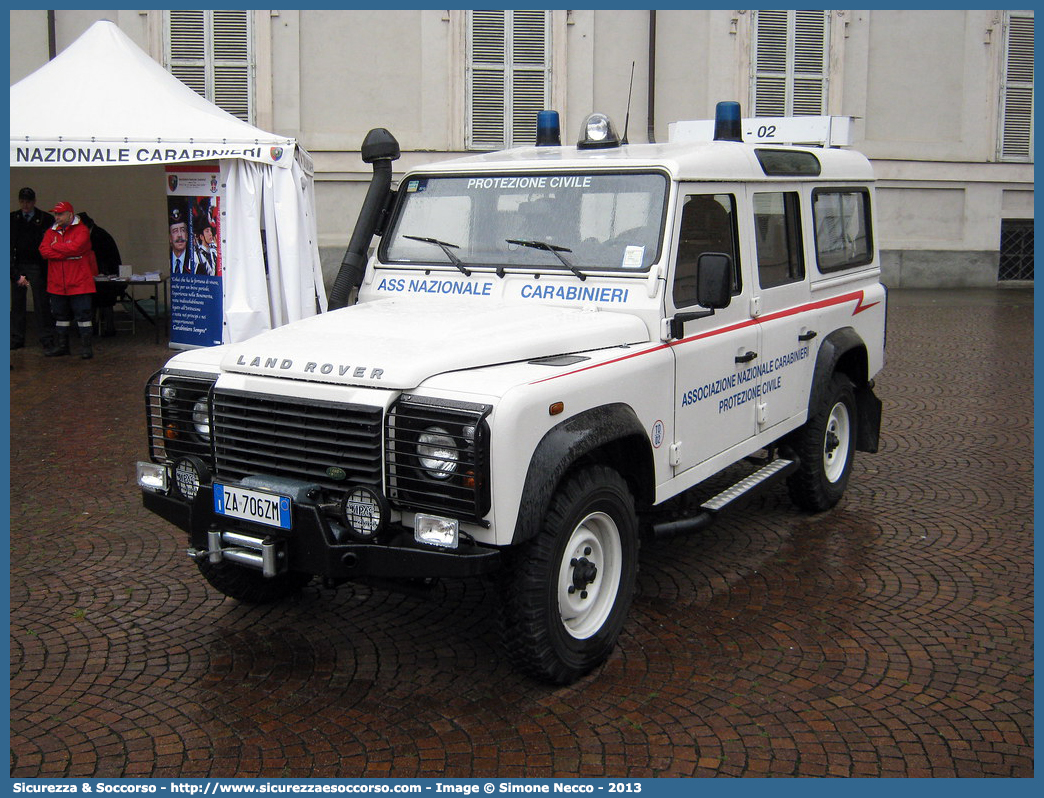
(825,131)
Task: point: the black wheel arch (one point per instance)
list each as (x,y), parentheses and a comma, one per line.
(844,351)
(609,434)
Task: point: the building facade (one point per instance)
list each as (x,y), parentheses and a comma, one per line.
(941,101)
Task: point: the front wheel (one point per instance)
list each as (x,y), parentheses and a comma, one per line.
(825,446)
(569,589)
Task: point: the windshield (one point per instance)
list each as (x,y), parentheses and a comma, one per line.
(564,221)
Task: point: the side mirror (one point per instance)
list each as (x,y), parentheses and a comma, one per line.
(714,280)
(713,290)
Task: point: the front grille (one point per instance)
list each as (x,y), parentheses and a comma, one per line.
(298,439)
(462,451)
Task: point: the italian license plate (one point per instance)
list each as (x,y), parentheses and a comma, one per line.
(252,505)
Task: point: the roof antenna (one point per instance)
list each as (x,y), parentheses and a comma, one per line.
(627,118)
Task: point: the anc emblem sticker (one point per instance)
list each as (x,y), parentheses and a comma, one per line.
(657,434)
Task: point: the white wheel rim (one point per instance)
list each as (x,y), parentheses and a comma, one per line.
(835,442)
(589,575)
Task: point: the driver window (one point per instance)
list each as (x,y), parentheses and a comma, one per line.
(708,224)
(777,234)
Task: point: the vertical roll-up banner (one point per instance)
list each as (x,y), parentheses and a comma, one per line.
(193,219)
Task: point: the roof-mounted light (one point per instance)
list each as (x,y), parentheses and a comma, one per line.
(549,131)
(597,132)
(727,124)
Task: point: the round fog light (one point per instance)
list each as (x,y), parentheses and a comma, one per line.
(189,474)
(365,513)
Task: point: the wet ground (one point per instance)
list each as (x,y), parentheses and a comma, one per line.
(892,636)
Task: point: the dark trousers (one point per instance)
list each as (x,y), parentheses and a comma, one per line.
(67,308)
(37,276)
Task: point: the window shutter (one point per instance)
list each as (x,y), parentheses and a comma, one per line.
(488,95)
(211,52)
(187,58)
(789,63)
(530,71)
(232,63)
(770,63)
(508,76)
(1017,112)
(810,62)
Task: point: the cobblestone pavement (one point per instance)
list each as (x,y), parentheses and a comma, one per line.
(892,636)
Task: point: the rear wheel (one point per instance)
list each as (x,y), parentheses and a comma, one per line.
(825,446)
(569,589)
(249,586)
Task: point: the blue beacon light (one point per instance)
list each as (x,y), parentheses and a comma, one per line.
(548,129)
(727,125)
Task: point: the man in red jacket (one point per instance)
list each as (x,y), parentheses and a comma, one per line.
(71,268)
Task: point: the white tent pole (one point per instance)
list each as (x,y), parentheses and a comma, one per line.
(288,222)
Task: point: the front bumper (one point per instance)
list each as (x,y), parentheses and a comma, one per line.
(311,547)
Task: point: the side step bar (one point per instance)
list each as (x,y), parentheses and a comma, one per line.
(778,468)
(773,470)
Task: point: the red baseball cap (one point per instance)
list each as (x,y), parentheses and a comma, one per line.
(62,207)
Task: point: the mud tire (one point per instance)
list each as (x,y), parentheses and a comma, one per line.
(825,446)
(588,542)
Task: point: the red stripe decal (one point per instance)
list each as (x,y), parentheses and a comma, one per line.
(855,296)
(860,307)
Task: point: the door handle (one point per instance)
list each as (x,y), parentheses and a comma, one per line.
(746,358)
(808,336)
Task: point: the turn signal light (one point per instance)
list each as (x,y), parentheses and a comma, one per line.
(171,432)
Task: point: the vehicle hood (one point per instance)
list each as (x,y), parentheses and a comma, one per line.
(397,344)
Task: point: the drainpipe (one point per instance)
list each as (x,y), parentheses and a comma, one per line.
(52,47)
(652,77)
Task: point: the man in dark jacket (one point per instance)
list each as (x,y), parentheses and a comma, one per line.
(108,256)
(29,270)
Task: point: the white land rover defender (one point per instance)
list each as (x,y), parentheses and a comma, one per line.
(548,344)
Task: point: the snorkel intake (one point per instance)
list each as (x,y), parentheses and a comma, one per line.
(379,148)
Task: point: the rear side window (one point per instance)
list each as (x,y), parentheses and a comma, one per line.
(842,223)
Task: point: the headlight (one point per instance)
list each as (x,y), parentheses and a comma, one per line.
(437,457)
(178,411)
(438,453)
(201,419)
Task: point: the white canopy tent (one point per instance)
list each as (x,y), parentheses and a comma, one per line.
(153,118)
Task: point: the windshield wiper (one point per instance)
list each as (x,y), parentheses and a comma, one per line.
(556,251)
(445,247)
